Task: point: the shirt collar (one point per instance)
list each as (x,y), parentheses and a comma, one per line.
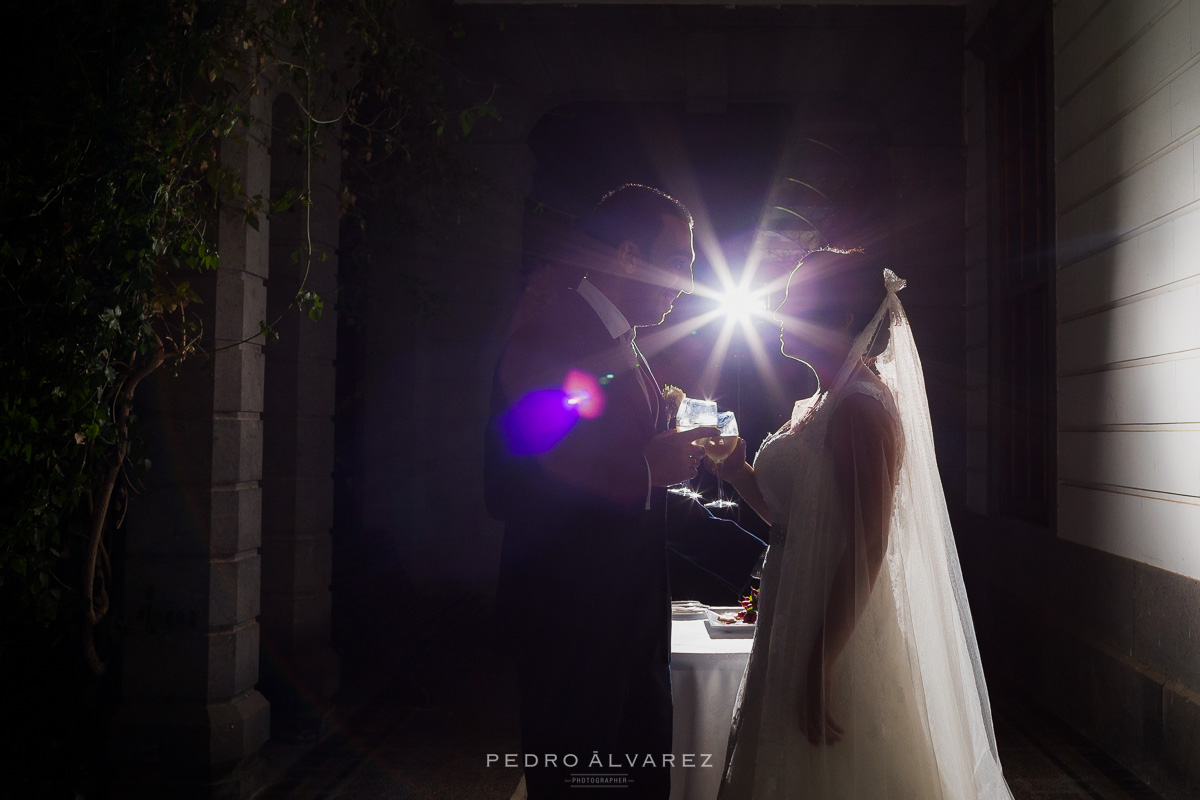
(609,314)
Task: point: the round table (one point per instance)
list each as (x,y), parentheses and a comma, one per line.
(705,675)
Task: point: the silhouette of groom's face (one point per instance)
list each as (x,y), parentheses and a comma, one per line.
(664,272)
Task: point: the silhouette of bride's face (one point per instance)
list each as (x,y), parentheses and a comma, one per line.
(830,297)
(814,320)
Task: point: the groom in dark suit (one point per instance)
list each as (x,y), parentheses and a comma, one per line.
(577,453)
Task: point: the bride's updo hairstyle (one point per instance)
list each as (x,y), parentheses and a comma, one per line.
(841,281)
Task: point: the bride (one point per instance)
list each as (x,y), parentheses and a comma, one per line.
(864,679)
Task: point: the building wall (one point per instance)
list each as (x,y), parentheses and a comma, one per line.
(1127,88)
(1098,613)
(1128,92)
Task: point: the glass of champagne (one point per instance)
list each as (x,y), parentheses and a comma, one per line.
(719,448)
(693,413)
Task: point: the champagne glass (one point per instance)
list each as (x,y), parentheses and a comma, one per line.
(693,413)
(719,448)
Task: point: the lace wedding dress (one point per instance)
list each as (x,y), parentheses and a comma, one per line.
(908,687)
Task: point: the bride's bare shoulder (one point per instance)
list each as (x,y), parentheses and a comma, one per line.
(865,413)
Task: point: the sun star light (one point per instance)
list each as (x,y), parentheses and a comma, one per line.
(739,304)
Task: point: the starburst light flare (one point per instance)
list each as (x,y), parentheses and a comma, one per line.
(739,305)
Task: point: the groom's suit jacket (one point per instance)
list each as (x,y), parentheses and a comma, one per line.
(578,509)
(583,580)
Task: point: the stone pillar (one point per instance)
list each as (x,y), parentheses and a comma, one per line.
(299,670)
(190,722)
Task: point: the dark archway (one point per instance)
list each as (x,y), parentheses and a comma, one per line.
(885,82)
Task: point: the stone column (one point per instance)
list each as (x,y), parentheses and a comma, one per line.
(299,670)
(190,721)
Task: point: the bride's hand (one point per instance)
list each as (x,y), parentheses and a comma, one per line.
(740,476)
(820,726)
(733,468)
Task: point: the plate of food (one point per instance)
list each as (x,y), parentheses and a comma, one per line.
(724,621)
(734,620)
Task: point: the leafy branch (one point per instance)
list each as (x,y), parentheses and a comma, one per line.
(110,198)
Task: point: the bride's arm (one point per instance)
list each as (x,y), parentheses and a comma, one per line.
(740,475)
(863,445)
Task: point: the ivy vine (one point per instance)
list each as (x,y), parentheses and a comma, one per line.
(111,185)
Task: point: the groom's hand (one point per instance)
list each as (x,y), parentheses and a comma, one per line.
(673,457)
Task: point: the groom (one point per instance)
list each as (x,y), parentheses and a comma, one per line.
(577,451)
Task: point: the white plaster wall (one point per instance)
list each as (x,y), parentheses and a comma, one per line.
(1127,130)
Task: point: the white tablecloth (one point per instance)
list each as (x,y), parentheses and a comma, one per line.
(705,674)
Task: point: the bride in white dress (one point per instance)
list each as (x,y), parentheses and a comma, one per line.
(864,679)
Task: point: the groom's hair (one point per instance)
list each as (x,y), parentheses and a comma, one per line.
(633,213)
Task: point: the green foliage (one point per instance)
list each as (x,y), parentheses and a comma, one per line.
(400,157)
(111,185)
(104,191)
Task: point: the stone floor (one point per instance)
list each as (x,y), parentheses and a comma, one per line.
(420,728)
(1043,759)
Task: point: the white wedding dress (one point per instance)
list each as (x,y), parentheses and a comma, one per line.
(908,688)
